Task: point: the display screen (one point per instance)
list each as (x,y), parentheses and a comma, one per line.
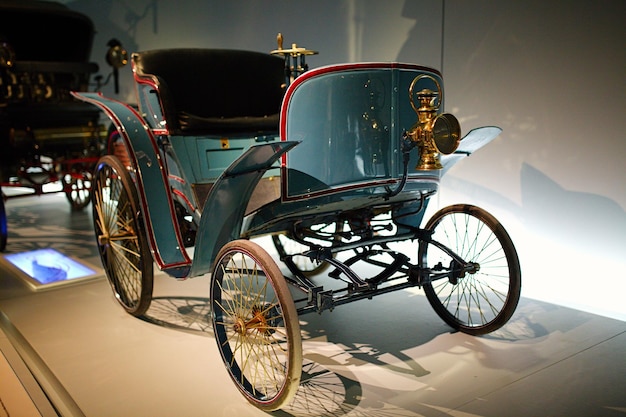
(48,266)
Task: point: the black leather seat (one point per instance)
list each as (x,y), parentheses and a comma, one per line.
(216,91)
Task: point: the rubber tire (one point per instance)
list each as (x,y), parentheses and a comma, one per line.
(262,327)
(459,305)
(121,237)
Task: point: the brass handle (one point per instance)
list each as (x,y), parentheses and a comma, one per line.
(279,40)
(414,83)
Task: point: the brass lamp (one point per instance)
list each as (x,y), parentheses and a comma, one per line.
(434,134)
(116,57)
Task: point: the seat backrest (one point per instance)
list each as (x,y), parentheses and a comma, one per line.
(206,91)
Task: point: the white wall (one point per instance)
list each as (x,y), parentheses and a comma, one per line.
(550,73)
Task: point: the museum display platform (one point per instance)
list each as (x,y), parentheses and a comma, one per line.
(70,349)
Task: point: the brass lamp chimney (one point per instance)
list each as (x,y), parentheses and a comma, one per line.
(434,134)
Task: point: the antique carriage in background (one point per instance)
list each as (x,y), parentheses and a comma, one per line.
(335,165)
(50,141)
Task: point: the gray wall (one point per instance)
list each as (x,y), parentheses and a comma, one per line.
(550,73)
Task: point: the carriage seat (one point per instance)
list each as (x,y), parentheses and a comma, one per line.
(215,91)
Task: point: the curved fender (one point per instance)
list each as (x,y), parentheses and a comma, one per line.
(223,212)
(152,184)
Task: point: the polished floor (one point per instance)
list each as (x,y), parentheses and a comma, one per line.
(71,351)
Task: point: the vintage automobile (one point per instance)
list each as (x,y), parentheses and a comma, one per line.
(336,164)
(47,136)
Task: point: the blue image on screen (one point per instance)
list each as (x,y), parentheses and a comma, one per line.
(48,266)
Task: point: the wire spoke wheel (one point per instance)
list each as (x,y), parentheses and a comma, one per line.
(483,297)
(120,236)
(256,325)
(77,187)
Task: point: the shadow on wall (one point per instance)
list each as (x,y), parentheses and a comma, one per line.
(423,45)
(115,20)
(592,222)
(584,221)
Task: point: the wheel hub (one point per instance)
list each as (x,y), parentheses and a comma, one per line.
(472,267)
(257,322)
(240,326)
(104,239)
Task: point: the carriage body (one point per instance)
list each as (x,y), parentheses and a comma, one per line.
(345,124)
(349,121)
(338,168)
